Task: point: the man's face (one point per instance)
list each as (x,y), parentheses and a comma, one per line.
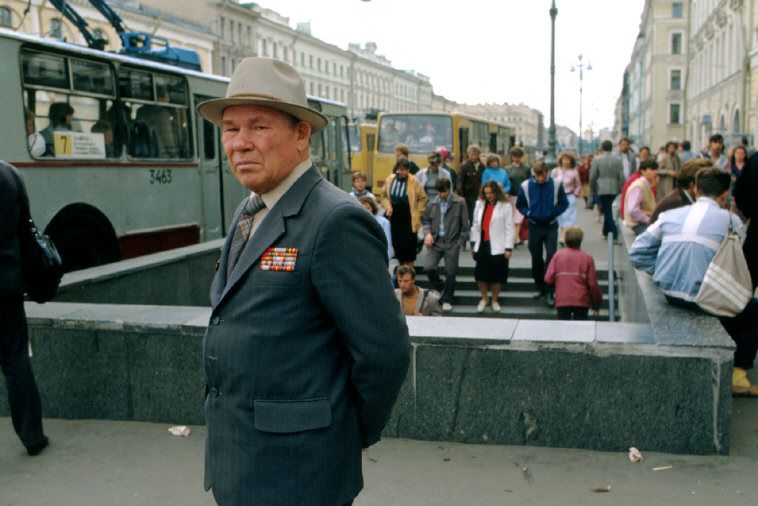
(624,146)
(644,154)
(406,283)
(262,147)
(516,160)
(651,175)
(359,184)
(541,178)
(671,149)
(717,147)
(474,156)
(398,153)
(443,194)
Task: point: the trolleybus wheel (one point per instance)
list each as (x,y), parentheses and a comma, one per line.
(83,240)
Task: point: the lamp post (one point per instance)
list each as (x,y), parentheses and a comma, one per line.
(550,158)
(581,66)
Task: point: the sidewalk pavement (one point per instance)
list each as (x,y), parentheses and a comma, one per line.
(96,463)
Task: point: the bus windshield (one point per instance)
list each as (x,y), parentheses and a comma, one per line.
(421,133)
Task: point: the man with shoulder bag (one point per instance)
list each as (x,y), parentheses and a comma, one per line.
(715,281)
(23,396)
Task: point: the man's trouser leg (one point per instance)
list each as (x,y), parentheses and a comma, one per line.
(743,329)
(537,236)
(431,262)
(551,244)
(608,224)
(23,397)
(452,252)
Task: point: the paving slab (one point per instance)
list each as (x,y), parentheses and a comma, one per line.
(93,463)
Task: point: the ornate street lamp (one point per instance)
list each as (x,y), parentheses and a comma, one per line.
(550,158)
(581,66)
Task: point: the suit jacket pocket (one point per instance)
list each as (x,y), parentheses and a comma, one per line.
(283,417)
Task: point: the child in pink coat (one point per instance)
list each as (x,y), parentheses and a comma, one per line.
(572,272)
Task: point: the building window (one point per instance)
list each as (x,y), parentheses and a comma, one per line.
(302,59)
(675,80)
(310,61)
(5,17)
(222,26)
(249,37)
(318,67)
(310,86)
(274,50)
(223,65)
(264,47)
(56,29)
(676,43)
(674,114)
(285,54)
(234,65)
(326,67)
(676,10)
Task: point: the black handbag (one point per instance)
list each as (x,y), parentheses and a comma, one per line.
(41,264)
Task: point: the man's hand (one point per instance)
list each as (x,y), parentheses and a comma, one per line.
(388,211)
(507,255)
(429,240)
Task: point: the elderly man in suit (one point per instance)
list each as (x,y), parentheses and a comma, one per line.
(607,179)
(299,376)
(23,397)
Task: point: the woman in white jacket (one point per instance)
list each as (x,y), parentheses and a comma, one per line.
(492,234)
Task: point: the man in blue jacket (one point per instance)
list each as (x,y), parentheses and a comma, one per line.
(541,201)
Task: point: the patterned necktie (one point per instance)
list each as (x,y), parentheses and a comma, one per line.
(242,231)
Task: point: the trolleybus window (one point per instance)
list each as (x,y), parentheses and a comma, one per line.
(156,107)
(480,134)
(67,102)
(421,133)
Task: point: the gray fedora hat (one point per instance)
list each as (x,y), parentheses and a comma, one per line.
(266,82)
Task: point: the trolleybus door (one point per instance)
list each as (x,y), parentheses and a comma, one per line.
(212,177)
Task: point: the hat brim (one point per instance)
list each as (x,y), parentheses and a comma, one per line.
(213,110)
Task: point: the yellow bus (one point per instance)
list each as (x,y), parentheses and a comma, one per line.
(362,143)
(423,132)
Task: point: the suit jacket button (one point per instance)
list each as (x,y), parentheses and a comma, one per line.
(215,320)
(214,392)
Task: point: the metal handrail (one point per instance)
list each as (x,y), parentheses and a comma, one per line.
(611,283)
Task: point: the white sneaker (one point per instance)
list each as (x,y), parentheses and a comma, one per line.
(446,306)
(496,306)
(480,307)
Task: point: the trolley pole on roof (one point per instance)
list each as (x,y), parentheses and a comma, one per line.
(550,158)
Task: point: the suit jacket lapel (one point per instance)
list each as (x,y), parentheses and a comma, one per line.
(271,228)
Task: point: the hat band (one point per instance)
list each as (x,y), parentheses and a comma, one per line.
(256,96)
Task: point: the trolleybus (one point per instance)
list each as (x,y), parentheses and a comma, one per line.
(125,166)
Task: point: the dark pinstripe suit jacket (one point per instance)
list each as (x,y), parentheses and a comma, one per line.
(299,378)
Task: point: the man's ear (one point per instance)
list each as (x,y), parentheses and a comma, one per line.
(303,130)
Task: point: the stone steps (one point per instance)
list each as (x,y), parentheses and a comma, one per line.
(516,299)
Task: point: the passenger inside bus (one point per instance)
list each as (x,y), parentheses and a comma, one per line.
(103,127)
(33,138)
(161,121)
(61,117)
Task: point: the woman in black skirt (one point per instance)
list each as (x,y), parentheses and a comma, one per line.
(404,200)
(492,234)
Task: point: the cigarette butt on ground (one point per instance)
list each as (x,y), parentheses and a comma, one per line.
(663,468)
(601,488)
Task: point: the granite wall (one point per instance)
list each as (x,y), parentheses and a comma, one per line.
(604,386)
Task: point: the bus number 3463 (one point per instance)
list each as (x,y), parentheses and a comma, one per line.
(160,176)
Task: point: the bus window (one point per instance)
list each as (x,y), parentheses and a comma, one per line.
(209,140)
(69,114)
(421,133)
(157,115)
(92,77)
(355,137)
(46,70)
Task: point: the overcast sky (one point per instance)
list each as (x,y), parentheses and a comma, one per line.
(498,51)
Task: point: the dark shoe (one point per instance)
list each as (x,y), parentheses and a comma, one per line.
(550,300)
(37,449)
